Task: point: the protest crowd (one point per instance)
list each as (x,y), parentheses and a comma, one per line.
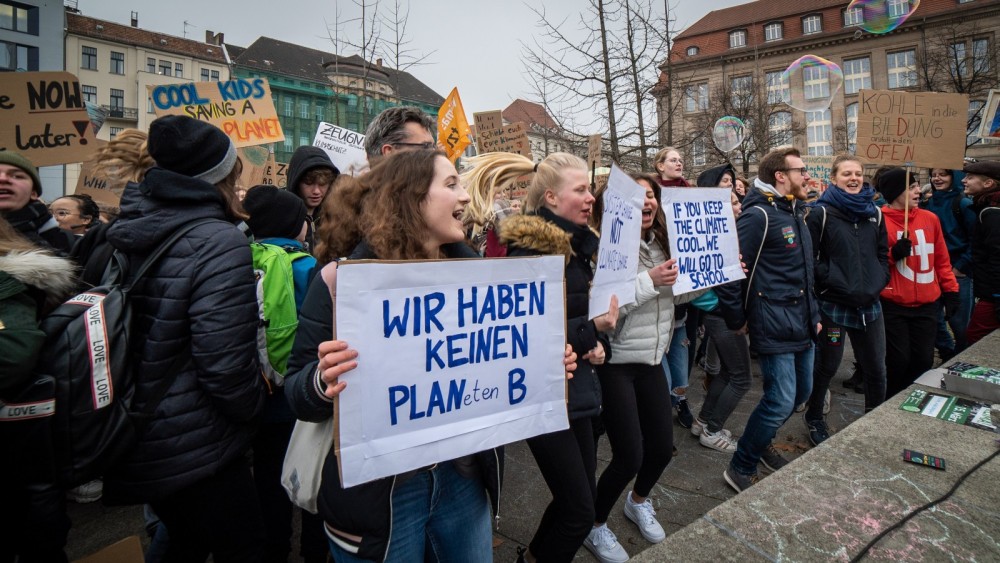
(232,298)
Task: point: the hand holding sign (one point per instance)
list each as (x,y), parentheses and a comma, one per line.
(664,274)
(608,320)
(569,362)
(335,359)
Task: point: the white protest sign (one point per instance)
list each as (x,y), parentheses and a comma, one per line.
(618,254)
(702,234)
(454,357)
(345,147)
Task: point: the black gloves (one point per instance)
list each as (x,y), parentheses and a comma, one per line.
(951,303)
(901,249)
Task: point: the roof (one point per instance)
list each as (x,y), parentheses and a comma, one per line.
(275,56)
(754,12)
(530,113)
(78,24)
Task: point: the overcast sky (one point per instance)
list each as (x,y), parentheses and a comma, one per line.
(476,43)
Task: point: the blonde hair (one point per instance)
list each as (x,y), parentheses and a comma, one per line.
(842,158)
(124,159)
(661,156)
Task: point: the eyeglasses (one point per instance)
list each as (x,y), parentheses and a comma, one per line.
(426,145)
(802,170)
(673,160)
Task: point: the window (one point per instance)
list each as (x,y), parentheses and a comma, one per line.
(741,91)
(289,107)
(696,97)
(304,140)
(780,127)
(151,65)
(165,67)
(853,17)
(179,70)
(117,62)
(975,119)
(980,56)
(772,31)
(115,131)
(777,89)
(857,75)
(818,132)
(88,58)
(204,75)
(812,24)
(956,59)
(149,105)
(692,51)
(851,112)
(319,113)
(815,82)
(215,76)
(19,18)
(698,152)
(18,57)
(898,8)
(902,69)
(287,144)
(737,39)
(117,100)
(304,109)
(89,93)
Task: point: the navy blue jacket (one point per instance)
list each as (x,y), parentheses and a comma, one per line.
(198,300)
(776,300)
(957,230)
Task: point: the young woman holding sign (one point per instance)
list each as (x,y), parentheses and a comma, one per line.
(557,209)
(408,207)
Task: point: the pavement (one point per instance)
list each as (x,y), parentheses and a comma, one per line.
(691,486)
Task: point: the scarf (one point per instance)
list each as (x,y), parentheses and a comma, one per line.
(854,206)
(30,218)
(989,199)
(675,183)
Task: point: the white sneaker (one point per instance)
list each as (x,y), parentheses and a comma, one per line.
(604,545)
(722,441)
(87,492)
(697,427)
(643,515)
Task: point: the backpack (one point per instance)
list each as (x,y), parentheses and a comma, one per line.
(78,406)
(278,318)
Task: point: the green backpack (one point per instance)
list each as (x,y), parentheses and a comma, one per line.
(278,319)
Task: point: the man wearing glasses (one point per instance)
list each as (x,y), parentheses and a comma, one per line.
(398,128)
(776,306)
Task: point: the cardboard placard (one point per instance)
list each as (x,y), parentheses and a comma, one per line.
(254,161)
(618,253)
(512,137)
(243,109)
(989,126)
(460,356)
(345,148)
(593,150)
(44,118)
(275,173)
(819,170)
(491,121)
(912,128)
(97,186)
(702,233)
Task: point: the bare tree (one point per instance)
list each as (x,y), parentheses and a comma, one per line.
(369,23)
(397,44)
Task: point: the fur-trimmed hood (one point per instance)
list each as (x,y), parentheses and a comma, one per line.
(532,232)
(54,276)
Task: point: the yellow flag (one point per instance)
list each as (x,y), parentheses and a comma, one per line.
(453,127)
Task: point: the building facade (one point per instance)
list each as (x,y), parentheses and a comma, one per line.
(732,61)
(309,86)
(544,134)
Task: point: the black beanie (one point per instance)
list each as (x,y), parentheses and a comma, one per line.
(274,212)
(190,147)
(892,183)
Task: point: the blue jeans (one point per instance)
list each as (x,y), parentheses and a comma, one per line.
(958,323)
(787,382)
(675,363)
(438,514)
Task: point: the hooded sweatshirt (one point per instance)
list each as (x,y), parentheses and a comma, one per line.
(712,177)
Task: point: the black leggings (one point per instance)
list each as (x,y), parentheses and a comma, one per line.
(568,462)
(637,418)
(909,343)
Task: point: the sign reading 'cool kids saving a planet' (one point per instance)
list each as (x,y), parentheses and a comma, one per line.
(454,357)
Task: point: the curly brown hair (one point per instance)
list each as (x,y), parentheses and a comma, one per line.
(382,207)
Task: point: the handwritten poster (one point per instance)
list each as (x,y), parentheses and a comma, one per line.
(594,150)
(98,186)
(44,118)
(345,148)
(243,109)
(491,137)
(915,128)
(454,357)
(702,232)
(819,170)
(491,122)
(618,253)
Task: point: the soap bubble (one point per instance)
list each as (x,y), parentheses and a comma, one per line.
(813,81)
(883,16)
(728,133)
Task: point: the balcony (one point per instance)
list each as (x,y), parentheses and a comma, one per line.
(118,112)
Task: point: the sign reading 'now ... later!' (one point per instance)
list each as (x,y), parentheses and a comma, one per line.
(243,109)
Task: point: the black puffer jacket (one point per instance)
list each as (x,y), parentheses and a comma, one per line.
(776,299)
(546,233)
(199,300)
(986,248)
(852,259)
(363,510)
